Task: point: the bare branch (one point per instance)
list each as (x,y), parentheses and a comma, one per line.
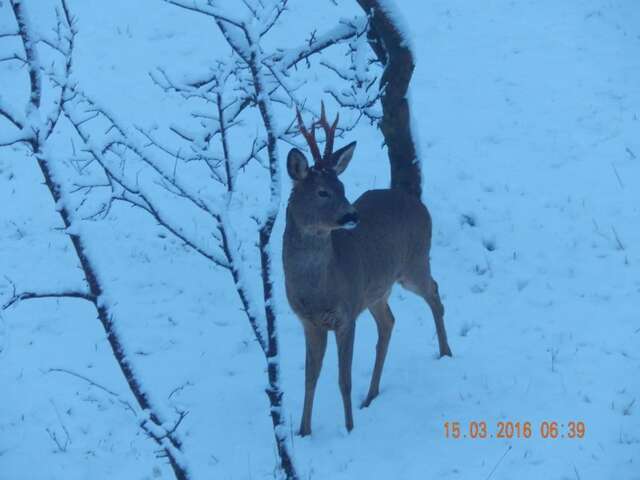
(290,57)
(36,137)
(157,432)
(179,389)
(93,384)
(181,417)
(9,34)
(15,57)
(206,9)
(66,22)
(273,16)
(133,194)
(33,295)
(62,447)
(12,117)
(22,136)
(30,52)
(225,144)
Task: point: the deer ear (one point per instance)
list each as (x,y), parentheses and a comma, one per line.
(341,158)
(297,165)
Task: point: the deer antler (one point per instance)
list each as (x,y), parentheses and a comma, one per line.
(310,136)
(329,132)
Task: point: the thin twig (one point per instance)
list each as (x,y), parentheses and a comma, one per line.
(615,170)
(498,463)
(615,234)
(33,295)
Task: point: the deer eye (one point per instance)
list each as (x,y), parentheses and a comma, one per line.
(323,193)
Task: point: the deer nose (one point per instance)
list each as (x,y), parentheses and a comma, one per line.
(349,221)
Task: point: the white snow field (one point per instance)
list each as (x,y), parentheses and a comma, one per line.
(528,119)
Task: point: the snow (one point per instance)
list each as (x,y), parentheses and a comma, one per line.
(390,8)
(527,115)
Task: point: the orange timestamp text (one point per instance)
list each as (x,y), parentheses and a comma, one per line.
(546,429)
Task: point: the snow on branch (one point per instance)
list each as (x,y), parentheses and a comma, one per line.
(360,78)
(389,39)
(206,8)
(279,62)
(143,193)
(110,155)
(161,434)
(21,136)
(11,116)
(200,167)
(246,85)
(31,53)
(31,130)
(345,30)
(15,298)
(244,39)
(34,131)
(126,404)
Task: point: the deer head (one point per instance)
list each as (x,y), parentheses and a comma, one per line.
(317,202)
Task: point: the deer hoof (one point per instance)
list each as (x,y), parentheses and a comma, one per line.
(445,352)
(367,401)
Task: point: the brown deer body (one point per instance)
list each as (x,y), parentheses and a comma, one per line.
(340,259)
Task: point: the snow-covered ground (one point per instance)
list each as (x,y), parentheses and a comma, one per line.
(528,115)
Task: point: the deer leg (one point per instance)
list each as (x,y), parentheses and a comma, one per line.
(437,309)
(384,321)
(344,339)
(424,285)
(316,343)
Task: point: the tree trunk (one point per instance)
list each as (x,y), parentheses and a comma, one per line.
(392,50)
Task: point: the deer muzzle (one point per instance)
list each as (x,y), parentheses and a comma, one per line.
(349,221)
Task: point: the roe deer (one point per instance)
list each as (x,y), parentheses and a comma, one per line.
(341,258)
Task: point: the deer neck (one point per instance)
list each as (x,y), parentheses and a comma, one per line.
(308,255)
